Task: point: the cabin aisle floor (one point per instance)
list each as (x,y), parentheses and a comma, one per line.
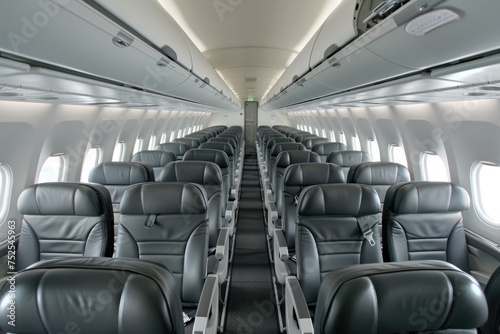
(250,305)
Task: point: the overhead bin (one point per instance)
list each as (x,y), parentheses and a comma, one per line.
(161,29)
(74,36)
(419,36)
(338,30)
(472,32)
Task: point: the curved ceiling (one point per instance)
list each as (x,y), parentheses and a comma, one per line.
(250,42)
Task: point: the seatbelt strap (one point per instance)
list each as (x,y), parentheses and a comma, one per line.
(150,220)
(365,224)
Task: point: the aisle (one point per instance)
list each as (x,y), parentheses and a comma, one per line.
(250,306)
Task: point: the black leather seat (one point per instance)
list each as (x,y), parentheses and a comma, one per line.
(296,178)
(200,136)
(275,151)
(324,149)
(178,148)
(192,142)
(226,148)
(156,159)
(93,295)
(229,141)
(64,219)
(166,223)
(283,160)
(220,159)
(379,175)
(117,177)
(347,159)
(337,226)
(403,297)
(309,142)
(423,221)
(492,292)
(270,144)
(207,175)
(301,137)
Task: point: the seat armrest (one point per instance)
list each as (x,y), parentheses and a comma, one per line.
(295,304)
(280,245)
(207,313)
(272,216)
(222,254)
(222,246)
(280,255)
(230,216)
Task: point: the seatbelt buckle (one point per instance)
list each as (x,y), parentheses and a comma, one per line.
(368,235)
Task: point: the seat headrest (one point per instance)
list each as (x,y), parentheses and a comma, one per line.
(227,148)
(157,198)
(205,154)
(311,141)
(65,199)
(224,140)
(192,142)
(307,174)
(301,138)
(93,295)
(399,297)
(177,148)
(280,147)
(201,172)
(348,158)
(154,158)
(338,199)
(287,158)
(121,173)
(426,197)
(327,148)
(277,140)
(378,173)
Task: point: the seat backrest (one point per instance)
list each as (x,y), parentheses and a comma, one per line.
(226,148)
(492,292)
(93,295)
(298,133)
(156,159)
(296,178)
(209,176)
(332,220)
(64,219)
(300,137)
(309,142)
(200,136)
(208,134)
(324,149)
(178,148)
(423,221)
(231,135)
(283,160)
(276,150)
(379,175)
(229,141)
(166,223)
(118,176)
(220,159)
(270,144)
(192,142)
(403,297)
(346,159)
